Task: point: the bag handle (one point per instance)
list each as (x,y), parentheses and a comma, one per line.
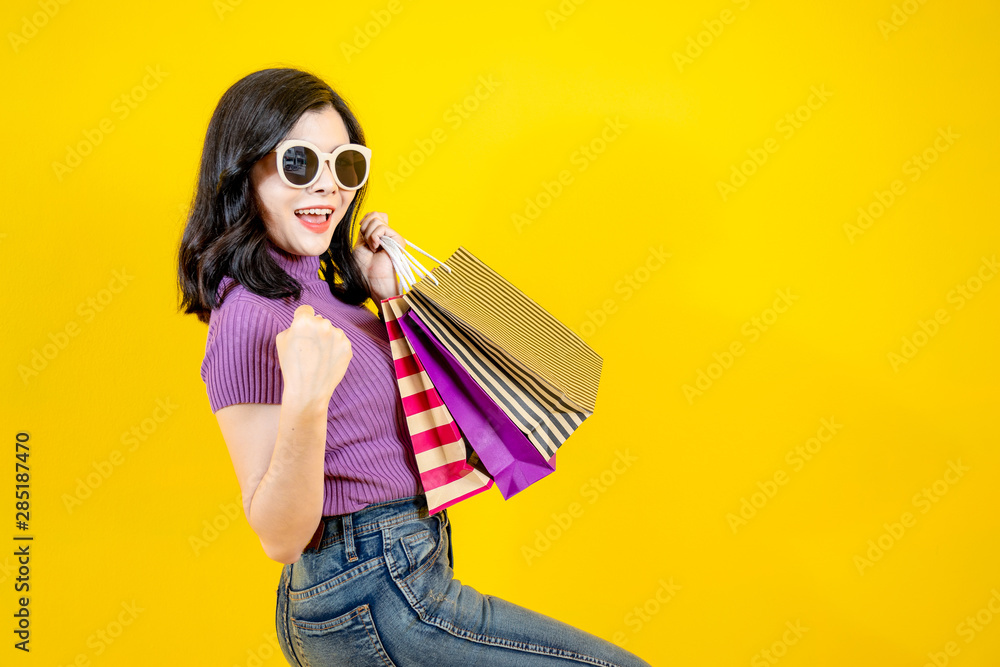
(404,266)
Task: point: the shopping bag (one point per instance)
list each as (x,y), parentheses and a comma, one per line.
(533,367)
(510,458)
(450,470)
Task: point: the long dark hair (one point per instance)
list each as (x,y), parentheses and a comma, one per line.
(225,232)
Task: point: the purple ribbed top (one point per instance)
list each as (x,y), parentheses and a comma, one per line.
(369,456)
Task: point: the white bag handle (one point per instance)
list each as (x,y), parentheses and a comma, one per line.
(404,266)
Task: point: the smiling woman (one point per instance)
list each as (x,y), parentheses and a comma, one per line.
(300,180)
(301,379)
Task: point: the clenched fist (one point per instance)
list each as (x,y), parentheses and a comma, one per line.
(313,355)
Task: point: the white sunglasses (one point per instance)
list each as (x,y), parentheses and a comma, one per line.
(300,164)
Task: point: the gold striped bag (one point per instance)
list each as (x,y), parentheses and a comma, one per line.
(536,369)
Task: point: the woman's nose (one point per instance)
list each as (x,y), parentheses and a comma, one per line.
(326,182)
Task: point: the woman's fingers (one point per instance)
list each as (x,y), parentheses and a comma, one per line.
(374,217)
(374,226)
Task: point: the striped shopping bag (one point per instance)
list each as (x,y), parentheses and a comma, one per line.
(536,369)
(509,457)
(450,470)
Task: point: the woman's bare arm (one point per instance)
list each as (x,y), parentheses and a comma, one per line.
(277,453)
(278,450)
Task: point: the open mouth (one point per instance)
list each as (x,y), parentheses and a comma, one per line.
(313,216)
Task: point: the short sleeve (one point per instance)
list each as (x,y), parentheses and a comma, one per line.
(241,357)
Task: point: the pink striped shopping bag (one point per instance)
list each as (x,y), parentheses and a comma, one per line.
(450,471)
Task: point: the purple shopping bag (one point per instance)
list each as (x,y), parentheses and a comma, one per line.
(510,458)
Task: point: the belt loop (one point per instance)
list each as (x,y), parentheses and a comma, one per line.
(352,555)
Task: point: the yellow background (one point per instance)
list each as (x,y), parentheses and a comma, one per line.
(895,74)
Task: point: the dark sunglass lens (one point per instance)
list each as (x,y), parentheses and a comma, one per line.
(299,164)
(351,168)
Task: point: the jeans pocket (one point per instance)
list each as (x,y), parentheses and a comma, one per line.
(416,545)
(348,639)
(420,565)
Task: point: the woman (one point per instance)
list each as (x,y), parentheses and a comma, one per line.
(300,377)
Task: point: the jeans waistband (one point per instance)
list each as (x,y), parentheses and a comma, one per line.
(345,527)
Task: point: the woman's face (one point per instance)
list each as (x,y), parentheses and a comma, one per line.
(288,231)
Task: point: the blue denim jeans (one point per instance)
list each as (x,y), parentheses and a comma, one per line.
(380,590)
